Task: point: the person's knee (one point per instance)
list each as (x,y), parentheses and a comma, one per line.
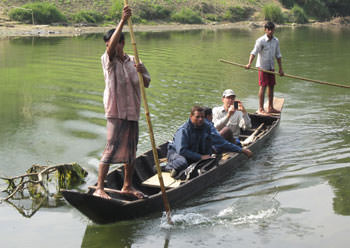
(227,134)
(178,163)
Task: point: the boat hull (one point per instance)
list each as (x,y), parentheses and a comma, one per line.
(105,211)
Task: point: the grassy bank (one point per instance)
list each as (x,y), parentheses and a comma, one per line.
(106,12)
(144,11)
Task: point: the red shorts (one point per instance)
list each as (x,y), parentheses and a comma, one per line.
(266,79)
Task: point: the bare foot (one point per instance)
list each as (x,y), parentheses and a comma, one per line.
(102,194)
(133,192)
(262,112)
(275,111)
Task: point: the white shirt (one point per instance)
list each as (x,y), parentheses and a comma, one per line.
(267,50)
(235,122)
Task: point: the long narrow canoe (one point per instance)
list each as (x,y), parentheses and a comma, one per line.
(120,207)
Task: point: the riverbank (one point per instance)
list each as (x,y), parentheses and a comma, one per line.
(11,29)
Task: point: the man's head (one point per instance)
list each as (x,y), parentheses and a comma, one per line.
(197,116)
(228,97)
(208,114)
(269,28)
(121,43)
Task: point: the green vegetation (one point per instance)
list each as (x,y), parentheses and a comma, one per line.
(237,13)
(42,13)
(186,15)
(273,13)
(320,9)
(88,16)
(298,15)
(183,11)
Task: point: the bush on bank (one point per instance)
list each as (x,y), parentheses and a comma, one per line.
(237,13)
(273,13)
(43,13)
(298,15)
(321,9)
(186,15)
(87,16)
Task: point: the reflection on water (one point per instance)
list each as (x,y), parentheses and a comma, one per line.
(51,110)
(340,180)
(117,235)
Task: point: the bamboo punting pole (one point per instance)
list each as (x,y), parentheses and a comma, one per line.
(148,119)
(287,75)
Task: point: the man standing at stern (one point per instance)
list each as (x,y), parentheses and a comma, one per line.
(267,48)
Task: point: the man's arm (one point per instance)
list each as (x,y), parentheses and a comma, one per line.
(279,58)
(116,35)
(220,144)
(253,53)
(279,61)
(245,121)
(251,59)
(146,77)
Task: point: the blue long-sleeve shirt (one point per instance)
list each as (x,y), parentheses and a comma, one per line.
(220,144)
(192,142)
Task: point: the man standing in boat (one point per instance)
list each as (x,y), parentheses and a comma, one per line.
(267,48)
(121,100)
(229,118)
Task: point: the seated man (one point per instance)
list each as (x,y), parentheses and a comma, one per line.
(220,144)
(192,142)
(228,120)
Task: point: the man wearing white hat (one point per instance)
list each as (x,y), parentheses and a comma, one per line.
(231,117)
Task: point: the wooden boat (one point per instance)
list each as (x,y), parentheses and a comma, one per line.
(119,208)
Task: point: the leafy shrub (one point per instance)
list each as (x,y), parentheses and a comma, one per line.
(273,13)
(287,3)
(213,17)
(186,15)
(87,16)
(205,8)
(150,11)
(44,13)
(117,8)
(298,15)
(317,8)
(237,13)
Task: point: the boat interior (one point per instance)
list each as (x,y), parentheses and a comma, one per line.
(145,177)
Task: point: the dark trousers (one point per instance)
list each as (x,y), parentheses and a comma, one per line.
(176,161)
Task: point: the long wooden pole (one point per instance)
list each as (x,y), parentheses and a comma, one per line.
(287,75)
(148,118)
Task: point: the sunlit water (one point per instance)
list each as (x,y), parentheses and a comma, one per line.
(294,192)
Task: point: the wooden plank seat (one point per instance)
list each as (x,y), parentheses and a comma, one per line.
(169,182)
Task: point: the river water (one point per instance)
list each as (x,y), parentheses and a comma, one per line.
(294,192)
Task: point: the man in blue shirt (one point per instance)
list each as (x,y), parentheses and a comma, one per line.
(192,142)
(195,141)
